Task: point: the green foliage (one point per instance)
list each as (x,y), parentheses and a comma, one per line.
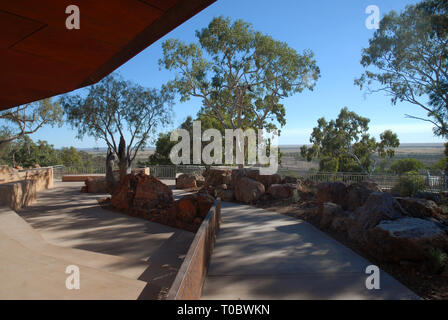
(345,145)
(410,184)
(402,166)
(409,59)
(70,157)
(240,74)
(437,260)
(296,196)
(330,165)
(27,119)
(26,153)
(115,109)
(162,153)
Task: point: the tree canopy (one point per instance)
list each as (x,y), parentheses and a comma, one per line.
(408,57)
(402,166)
(123,114)
(344,144)
(240,74)
(29,118)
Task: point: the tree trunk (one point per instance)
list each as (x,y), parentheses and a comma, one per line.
(122,159)
(110,179)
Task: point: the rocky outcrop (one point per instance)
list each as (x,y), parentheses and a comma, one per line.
(225,193)
(248,190)
(419,208)
(378,207)
(332,192)
(282,191)
(95,185)
(189,181)
(289,179)
(405,239)
(217,177)
(141,192)
(148,198)
(358,193)
(428,196)
(327,212)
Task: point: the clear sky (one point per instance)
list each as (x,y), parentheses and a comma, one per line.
(334,30)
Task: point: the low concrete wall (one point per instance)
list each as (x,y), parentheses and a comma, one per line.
(80,177)
(191,276)
(19,188)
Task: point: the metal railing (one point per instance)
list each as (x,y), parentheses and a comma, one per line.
(385,181)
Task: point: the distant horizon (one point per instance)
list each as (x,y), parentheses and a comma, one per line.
(284,146)
(334,31)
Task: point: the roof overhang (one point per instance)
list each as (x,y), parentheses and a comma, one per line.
(40,57)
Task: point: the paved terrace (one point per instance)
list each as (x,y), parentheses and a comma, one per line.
(120,257)
(262,255)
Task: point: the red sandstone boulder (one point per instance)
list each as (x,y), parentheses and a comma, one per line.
(282,191)
(226,195)
(405,239)
(419,208)
(141,192)
(151,193)
(189,181)
(288,179)
(248,190)
(270,180)
(327,212)
(378,207)
(332,192)
(96,185)
(187,209)
(123,197)
(216,177)
(204,203)
(358,193)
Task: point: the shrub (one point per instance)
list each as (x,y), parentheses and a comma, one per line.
(409,184)
(295,197)
(403,166)
(436,260)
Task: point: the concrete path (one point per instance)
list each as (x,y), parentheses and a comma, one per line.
(66,226)
(262,255)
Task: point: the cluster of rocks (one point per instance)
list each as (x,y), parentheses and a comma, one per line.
(146,197)
(390,228)
(190,181)
(245,185)
(95,185)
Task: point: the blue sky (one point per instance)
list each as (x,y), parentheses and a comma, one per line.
(334,30)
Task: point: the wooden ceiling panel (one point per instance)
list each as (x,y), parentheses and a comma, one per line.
(162,4)
(69,47)
(15,28)
(40,57)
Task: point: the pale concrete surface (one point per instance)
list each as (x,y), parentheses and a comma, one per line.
(66,225)
(262,255)
(27,274)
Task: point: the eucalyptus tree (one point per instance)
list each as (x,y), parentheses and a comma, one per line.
(27,119)
(124,115)
(345,145)
(408,60)
(241,75)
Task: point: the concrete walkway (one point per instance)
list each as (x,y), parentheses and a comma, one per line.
(67,227)
(262,255)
